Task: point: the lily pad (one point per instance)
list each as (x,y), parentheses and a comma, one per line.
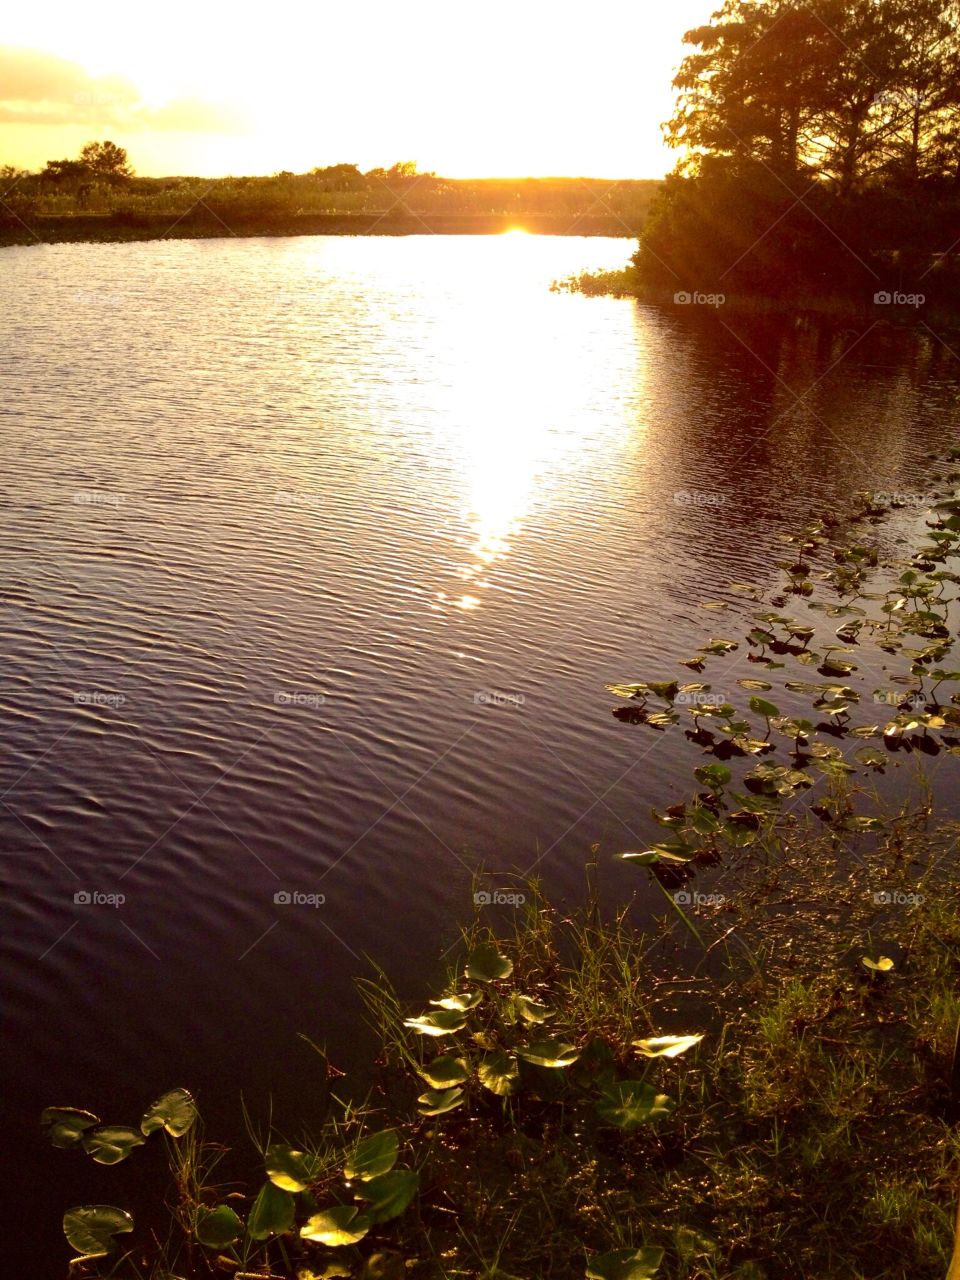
(65,1126)
(444,1023)
(550,1053)
(175,1111)
(288,1169)
(631,1103)
(217,1228)
(882,965)
(90,1228)
(112,1143)
(437,1102)
(343,1224)
(625,1264)
(374,1155)
(443,1073)
(272,1212)
(499,1073)
(487,964)
(390,1194)
(666,1046)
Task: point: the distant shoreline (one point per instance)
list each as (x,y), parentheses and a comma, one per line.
(200,224)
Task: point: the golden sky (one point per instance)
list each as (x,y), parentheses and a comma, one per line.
(508,87)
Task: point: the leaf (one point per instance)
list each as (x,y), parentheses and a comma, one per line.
(374,1155)
(341,1225)
(272,1212)
(550,1053)
(442,1073)
(65,1126)
(437,1102)
(631,1103)
(90,1228)
(444,1023)
(761,707)
(625,1264)
(390,1194)
(883,965)
(462,1002)
(499,1073)
(289,1169)
(760,685)
(112,1143)
(666,1046)
(487,964)
(174,1111)
(217,1228)
(532,1011)
(714,776)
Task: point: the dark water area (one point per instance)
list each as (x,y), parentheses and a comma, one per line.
(316,557)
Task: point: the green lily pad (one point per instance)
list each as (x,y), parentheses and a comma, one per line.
(65,1126)
(625,1264)
(487,964)
(666,1046)
(437,1102)
(531,1010)
(390,1194)
(217,1228)
(175,1111)
(343,1224)
(550,1053)
(462,1002)
(443,1073)
(288,1169)
(272,1213)
(90,1228)
(374,1155)
(499,1073)
(882,965)
(631,1103)
(443,1023)
(112,1143)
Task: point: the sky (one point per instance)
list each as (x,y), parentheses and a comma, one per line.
(507,88)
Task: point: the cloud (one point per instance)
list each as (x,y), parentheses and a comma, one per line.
(39,88)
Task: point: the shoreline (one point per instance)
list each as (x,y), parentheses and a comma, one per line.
(201,224)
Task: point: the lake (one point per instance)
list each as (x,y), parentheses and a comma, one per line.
(317,555)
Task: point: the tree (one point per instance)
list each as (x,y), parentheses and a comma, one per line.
(106,162)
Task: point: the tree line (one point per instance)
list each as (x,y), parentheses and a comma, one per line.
(830,128)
